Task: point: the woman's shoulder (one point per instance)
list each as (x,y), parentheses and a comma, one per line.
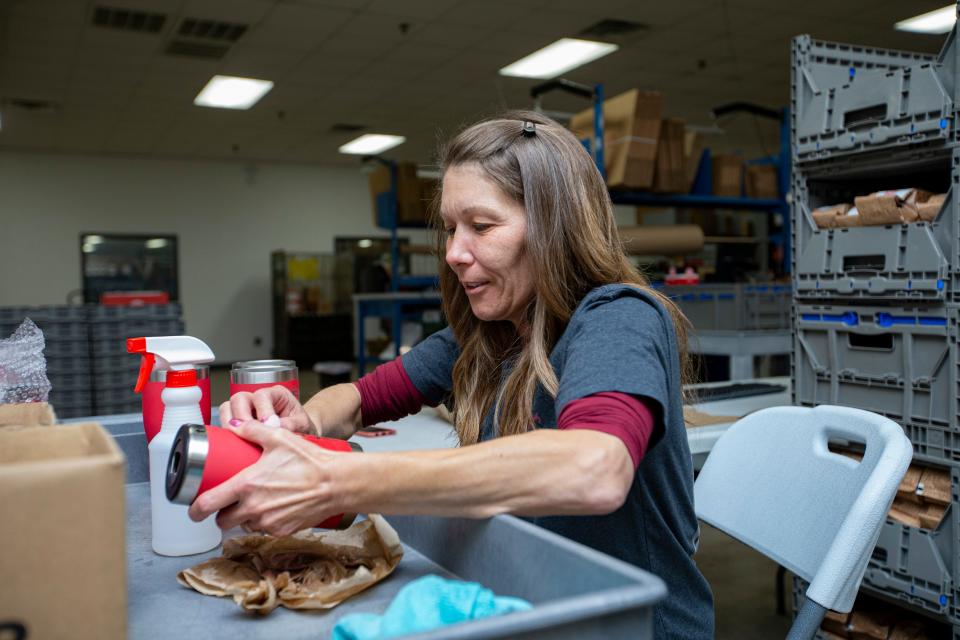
(610,298)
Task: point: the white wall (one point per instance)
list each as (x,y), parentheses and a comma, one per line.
(228,216)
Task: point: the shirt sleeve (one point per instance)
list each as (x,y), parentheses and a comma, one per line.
(387,394)
(429,365)
(620,344)
(618,414)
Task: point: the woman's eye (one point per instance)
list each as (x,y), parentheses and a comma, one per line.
(449,230)
(480,228)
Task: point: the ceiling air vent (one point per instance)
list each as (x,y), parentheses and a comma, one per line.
(611,30)
(193,49)
(346,127)
(128,19)
(215,30)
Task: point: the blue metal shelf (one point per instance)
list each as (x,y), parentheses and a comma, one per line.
(644,198)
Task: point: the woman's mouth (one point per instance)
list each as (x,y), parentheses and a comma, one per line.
(474,287)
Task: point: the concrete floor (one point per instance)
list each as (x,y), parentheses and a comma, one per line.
(744,591)
(743,581)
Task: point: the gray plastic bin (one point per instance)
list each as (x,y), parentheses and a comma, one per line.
(733,307)
(903,262)
(918,562)
(847,99)
(578,593)
(900,362)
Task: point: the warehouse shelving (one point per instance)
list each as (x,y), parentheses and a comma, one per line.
(701,195)
(409,295)
(876,307)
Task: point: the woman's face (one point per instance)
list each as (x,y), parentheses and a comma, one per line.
(486,235)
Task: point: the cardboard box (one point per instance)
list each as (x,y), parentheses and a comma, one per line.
(836,623)
(62,532)
(936,486)
(727,175)
(412,198)
(693,147)
(761,181)
(631,128)
(669,175)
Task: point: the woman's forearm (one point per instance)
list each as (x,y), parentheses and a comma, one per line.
(544,472)
(335,410)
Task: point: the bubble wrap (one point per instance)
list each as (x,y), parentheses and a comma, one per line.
(23,369)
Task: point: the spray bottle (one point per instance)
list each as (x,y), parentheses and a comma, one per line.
(174,533)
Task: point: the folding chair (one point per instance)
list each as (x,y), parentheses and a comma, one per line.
(772,483)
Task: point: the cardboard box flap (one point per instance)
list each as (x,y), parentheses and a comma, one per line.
(29,445)
(29,413)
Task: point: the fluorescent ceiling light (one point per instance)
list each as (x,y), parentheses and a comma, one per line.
(89,248)
(372,143)
(937,21)
(231,92)
(561,56)
(93,239)
(366,243)
(156,243)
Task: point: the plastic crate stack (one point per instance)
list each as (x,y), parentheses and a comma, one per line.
(733,307)
(876,308)
(88,366)
(114,371)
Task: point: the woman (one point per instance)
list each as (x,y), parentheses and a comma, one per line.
(562,366)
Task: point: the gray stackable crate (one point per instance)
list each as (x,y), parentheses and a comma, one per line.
(917,565)
(58,313)
(116,378)
(116,395)
(65,411)
(67,349)
(900,362)
(69,381)
(109,364)
(905,262)
(134,328)
(66,330)
(733,307)
(70,397)
(73,366)
(171,311)
(114,408)
(932,444)
(847,99)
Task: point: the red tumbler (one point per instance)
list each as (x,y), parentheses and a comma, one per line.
(203,457)
(153,405)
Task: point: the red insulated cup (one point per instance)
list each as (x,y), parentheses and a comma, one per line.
(259,374)
(153,405)
(203,457)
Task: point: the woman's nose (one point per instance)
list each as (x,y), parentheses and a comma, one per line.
(458,253)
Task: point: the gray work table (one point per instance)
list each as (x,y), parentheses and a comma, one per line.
(159,607)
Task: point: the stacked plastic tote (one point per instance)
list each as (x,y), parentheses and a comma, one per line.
(89,368)
(876,308)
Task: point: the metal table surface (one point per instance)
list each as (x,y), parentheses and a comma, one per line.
(159,607)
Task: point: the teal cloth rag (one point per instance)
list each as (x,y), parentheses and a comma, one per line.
(424,604)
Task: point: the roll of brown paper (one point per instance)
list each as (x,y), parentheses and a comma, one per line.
(662,239)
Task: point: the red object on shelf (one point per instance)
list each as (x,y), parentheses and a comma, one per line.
(689,276)
(134,298)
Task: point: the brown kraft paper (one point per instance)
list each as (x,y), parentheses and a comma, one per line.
(308,570)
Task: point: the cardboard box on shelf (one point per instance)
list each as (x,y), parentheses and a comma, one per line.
(693,147)
(936,486)
(631,124)
(669,175)
(62,532)
(727,175)
(411,193)
(761,181)
(827,217)
(836,623)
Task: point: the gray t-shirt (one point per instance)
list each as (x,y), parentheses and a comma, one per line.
(620,339)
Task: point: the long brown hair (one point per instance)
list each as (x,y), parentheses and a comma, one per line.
(573,247)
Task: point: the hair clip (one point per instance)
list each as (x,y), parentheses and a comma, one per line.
(529,128)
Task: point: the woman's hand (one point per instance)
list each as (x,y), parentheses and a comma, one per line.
(288,489)
(263,404)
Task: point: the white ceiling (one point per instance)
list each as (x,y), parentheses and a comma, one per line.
(350,61)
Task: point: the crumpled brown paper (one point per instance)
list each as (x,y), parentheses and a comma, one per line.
(308,570)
